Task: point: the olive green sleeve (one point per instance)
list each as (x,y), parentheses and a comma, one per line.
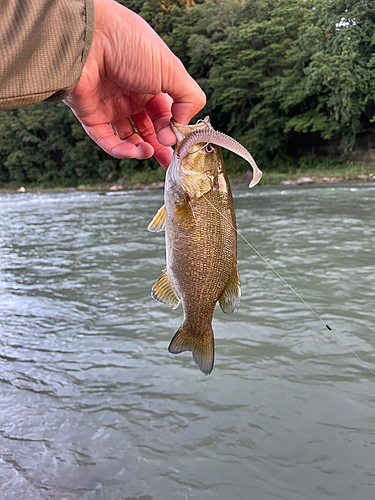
(43,48)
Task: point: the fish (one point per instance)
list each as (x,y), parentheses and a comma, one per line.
(201,238)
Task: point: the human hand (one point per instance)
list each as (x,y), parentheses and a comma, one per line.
(131,77)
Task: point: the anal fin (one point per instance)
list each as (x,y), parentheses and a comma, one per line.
(163,291)
(231,297)
(158,222)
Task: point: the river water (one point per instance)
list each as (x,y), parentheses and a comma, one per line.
(92,405)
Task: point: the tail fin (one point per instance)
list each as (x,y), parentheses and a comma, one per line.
(202,347)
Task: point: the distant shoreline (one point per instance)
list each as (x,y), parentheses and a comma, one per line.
(354,174)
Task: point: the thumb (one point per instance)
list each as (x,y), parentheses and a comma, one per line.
(188,97)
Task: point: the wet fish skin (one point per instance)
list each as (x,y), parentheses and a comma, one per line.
(201,246)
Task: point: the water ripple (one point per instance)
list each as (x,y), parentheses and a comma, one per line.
(92,406)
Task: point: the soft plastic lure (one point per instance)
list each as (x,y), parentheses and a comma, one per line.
(210,135)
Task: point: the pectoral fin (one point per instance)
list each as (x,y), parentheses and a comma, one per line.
(231,297)
(163,291)
(158,222)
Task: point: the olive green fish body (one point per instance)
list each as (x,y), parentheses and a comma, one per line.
(201,252)
(201,246)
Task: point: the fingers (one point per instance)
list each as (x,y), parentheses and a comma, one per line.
(187,106)
(146,128)
(161,108)
(133,147)
(120,140)
(159,111)
(188,97)
(123,128)
(164,156)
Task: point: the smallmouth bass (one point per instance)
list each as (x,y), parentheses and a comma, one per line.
(201,240)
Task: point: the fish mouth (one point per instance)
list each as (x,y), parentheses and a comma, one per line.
(202,132)
(183,131)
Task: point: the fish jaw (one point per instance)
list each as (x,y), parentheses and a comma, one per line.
(179,130)
(172,176)
(182,131)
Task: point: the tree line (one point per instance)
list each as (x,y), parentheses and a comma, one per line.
(292,80)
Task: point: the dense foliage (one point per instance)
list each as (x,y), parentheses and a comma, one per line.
(288,78)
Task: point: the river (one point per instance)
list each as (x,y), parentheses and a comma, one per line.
(92,405)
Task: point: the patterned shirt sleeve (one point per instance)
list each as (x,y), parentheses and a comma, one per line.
(44,45)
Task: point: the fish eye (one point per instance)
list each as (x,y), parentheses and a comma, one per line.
(209,149)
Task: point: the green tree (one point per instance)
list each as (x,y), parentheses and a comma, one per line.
(237,51)
(280,76)
(331,85)
(45,143)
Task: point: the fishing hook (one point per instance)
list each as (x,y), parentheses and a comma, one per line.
(207,143)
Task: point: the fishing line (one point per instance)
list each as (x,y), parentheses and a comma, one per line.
(291,288)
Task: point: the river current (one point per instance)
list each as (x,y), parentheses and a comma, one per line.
(92,405)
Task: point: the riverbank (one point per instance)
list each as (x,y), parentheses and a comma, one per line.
(348,172)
